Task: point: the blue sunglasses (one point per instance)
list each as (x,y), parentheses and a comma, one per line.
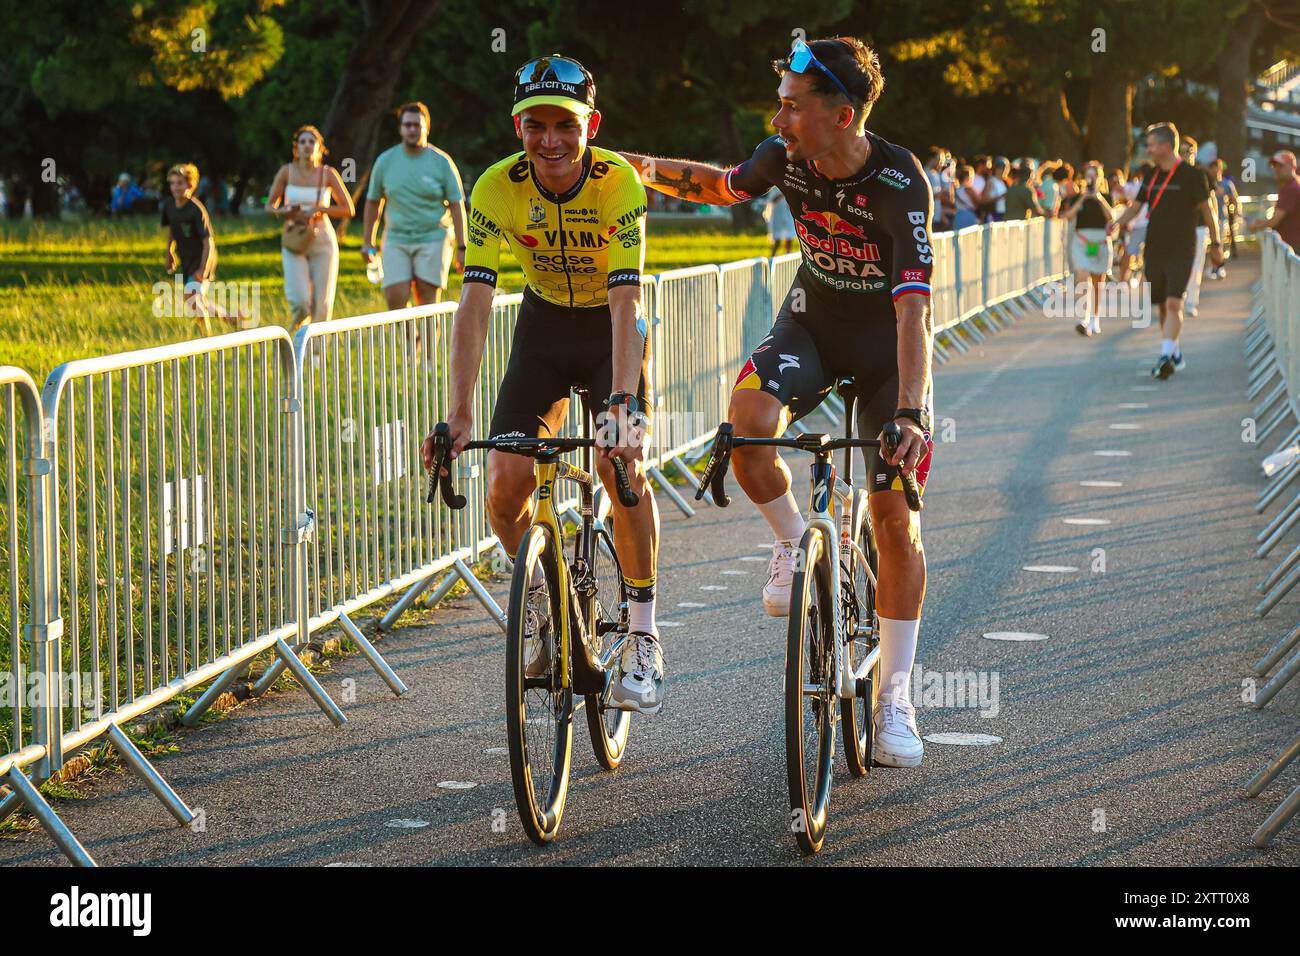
(802,56)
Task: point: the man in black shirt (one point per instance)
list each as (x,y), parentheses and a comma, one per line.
(1178,198)
(859,306)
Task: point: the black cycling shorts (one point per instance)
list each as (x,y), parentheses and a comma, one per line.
(807,351)
(1168,274)
(554,349)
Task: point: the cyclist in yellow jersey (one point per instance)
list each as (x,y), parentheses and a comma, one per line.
(574,216)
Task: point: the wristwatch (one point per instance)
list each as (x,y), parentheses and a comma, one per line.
(919,415)
(624,398)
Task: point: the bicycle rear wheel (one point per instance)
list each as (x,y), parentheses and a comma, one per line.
(539,711)
(862,634)
(607,629)
(810,694)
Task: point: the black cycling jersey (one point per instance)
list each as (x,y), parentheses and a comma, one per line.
(865,240)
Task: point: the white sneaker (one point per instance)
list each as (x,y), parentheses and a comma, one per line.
(776,592)
(898,744)
(639,683)
(537,618)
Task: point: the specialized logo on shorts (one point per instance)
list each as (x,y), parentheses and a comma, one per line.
(788,361)
(748,377)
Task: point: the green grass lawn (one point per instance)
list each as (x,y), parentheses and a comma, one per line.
(74,289)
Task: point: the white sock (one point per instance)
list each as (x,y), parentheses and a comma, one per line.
(1168,347)
(641,601)
(897,652)
(783,517)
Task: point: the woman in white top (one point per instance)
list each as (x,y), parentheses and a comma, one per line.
(309,193)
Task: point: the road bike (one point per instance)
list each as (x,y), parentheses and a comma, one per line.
(832,639)
(588,625)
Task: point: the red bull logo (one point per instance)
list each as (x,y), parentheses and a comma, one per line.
(837,230)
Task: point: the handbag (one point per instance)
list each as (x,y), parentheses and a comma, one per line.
(298,236)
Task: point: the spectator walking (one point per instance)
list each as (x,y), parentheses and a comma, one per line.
(417,188)
(780,222)
(191,245)
(1090,251)
(1187,150)
(307,195)
(1178,198)
(1135,233)
(1225,192)
(1286,213)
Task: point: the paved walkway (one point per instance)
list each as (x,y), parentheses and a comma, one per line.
(1123,738)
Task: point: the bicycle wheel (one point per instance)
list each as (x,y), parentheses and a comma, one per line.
(539,711)
(858,607)
(810,695)
(607,629)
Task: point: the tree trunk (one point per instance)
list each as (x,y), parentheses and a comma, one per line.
(1060,132)
(1109,136)
(364,93)
(1234,88)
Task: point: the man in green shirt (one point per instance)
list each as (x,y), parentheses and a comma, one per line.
(1021,201)
(418,189)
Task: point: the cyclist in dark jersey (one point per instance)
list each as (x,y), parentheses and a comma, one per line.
(859,306)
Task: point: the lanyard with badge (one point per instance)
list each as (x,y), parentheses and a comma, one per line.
(1156,201)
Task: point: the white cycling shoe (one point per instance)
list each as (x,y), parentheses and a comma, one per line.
(639,683)
(776,593)
(897,744)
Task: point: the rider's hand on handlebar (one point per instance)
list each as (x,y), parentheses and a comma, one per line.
(460,437)
(911,448)
(621,435)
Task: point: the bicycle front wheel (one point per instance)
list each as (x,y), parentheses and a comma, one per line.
(539,709)
(810,694)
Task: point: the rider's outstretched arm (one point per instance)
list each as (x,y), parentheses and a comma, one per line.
(702,183)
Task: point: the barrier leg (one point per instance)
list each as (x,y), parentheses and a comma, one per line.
(1276,820)
(138,762)
(373,656)
(405,601)
(1279,592)
(209,697)
(441,591)
(1277,652)
(1274,767)
(48,819)
(1281,523)
(299,670)
(476,588)
(1278,681)
(1261,381)
(1280,483)
(940,352)
(969,328)
(1282,414)
(662,480)
(1289,562)
(1266,406)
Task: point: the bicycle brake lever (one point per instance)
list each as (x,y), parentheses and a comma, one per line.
(892,435)
(715,473)
(626,496)
(441,460)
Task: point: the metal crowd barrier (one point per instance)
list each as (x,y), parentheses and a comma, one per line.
(184,509)
(1272,348)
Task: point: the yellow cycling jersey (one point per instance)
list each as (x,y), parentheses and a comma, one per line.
(573,247)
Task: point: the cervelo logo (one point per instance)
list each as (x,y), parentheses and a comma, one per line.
(77,909)
(894,177)
(917,219)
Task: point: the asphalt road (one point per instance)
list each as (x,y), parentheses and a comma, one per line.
(1119,739)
